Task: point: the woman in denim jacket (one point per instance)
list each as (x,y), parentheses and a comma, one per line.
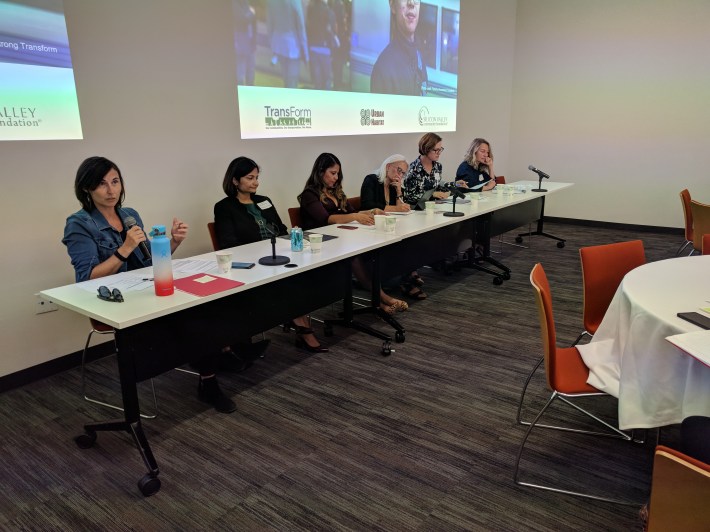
(99,243)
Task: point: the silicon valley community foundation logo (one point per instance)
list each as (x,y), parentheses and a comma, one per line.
(19,117)
(287,117)
(425,118)
(372,117)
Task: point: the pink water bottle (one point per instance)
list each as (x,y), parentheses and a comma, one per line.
(162,262)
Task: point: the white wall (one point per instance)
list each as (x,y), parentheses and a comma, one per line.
(156,87)
(614,95)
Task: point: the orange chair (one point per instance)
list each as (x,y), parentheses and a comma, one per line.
(688,215)
(294,214)
(566,377)
(355,203)
(213,236)
(706,244)
(603,268)
(680,491)
(101,328)
(701,223)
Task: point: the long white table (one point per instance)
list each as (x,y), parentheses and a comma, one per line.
(656,383)
(155,334)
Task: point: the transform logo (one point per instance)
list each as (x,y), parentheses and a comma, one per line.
(19,117)
(372,117)
(287,117)
(425,118)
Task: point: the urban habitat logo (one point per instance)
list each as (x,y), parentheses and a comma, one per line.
(19,117)
(372,117)
(287,118)
(425,119)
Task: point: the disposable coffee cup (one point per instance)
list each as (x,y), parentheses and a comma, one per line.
(380,222)
(390,224)
(224,261)
(430,206)
(316,242)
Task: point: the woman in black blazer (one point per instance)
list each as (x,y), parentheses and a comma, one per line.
(244,217)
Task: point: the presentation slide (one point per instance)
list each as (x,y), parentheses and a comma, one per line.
(309,68)
(37,91)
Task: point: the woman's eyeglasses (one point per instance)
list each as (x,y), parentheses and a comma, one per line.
(107,294)
(438,150)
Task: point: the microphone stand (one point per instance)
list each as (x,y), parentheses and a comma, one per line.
(539,185)
(274,259)
(456,193)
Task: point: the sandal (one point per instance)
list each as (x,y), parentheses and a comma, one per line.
(416,279)
(414,292)
(387,309)
(399,305)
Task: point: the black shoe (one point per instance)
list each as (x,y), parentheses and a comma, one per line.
(230,361)
(209,392)
(302,344)
(251,351)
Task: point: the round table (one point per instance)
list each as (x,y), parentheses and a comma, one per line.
(656,383)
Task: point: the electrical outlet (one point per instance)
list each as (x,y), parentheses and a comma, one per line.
(44,305)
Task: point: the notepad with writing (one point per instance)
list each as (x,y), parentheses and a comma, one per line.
(203,284)
(696,344)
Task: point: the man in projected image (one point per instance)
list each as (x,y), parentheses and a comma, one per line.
(400,69)
(287,34)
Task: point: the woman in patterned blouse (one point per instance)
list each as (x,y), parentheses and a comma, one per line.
(425,171)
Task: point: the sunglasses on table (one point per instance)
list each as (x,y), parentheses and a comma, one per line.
(106,294)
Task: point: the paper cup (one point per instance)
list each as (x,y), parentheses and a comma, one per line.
(430,207)
(380,222)
(224,261)
(316,242)
(390,224)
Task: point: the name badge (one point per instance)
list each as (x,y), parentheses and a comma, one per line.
(480,177)
(266,204)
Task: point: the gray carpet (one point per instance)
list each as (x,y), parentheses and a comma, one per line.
(349,440)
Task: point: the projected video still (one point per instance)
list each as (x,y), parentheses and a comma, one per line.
(346,67)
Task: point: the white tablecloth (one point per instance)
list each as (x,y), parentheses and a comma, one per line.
(657,384)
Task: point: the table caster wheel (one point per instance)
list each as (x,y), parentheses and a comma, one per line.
(328,330)
(399,337)
(86,441)
(149,485)
(386,349)
(519,239)
(497,281)
(560,245)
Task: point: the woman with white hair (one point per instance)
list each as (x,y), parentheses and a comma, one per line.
(384,189)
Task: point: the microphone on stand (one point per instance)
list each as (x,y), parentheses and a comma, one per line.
(456,193)
(274,259)
(129,222)
(540,175)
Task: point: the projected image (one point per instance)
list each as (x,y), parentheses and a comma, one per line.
(314,54)
(37,92)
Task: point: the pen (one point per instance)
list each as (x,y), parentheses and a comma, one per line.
(147,279)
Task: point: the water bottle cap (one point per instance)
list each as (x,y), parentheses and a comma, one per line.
(158,230)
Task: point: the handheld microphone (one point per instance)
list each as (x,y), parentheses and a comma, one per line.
(538,172)
(129,222)
(454,190)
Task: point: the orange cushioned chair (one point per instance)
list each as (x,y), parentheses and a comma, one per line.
(701,223)
(680,491)
(101,328)
(355,203)
(294,214)
(566,377)
(706,244)
(688,215)
(213,236)
(603,268)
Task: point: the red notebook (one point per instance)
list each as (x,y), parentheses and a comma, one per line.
(204,284)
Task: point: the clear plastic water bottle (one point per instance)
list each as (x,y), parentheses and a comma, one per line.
(162,262)
(296,239)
